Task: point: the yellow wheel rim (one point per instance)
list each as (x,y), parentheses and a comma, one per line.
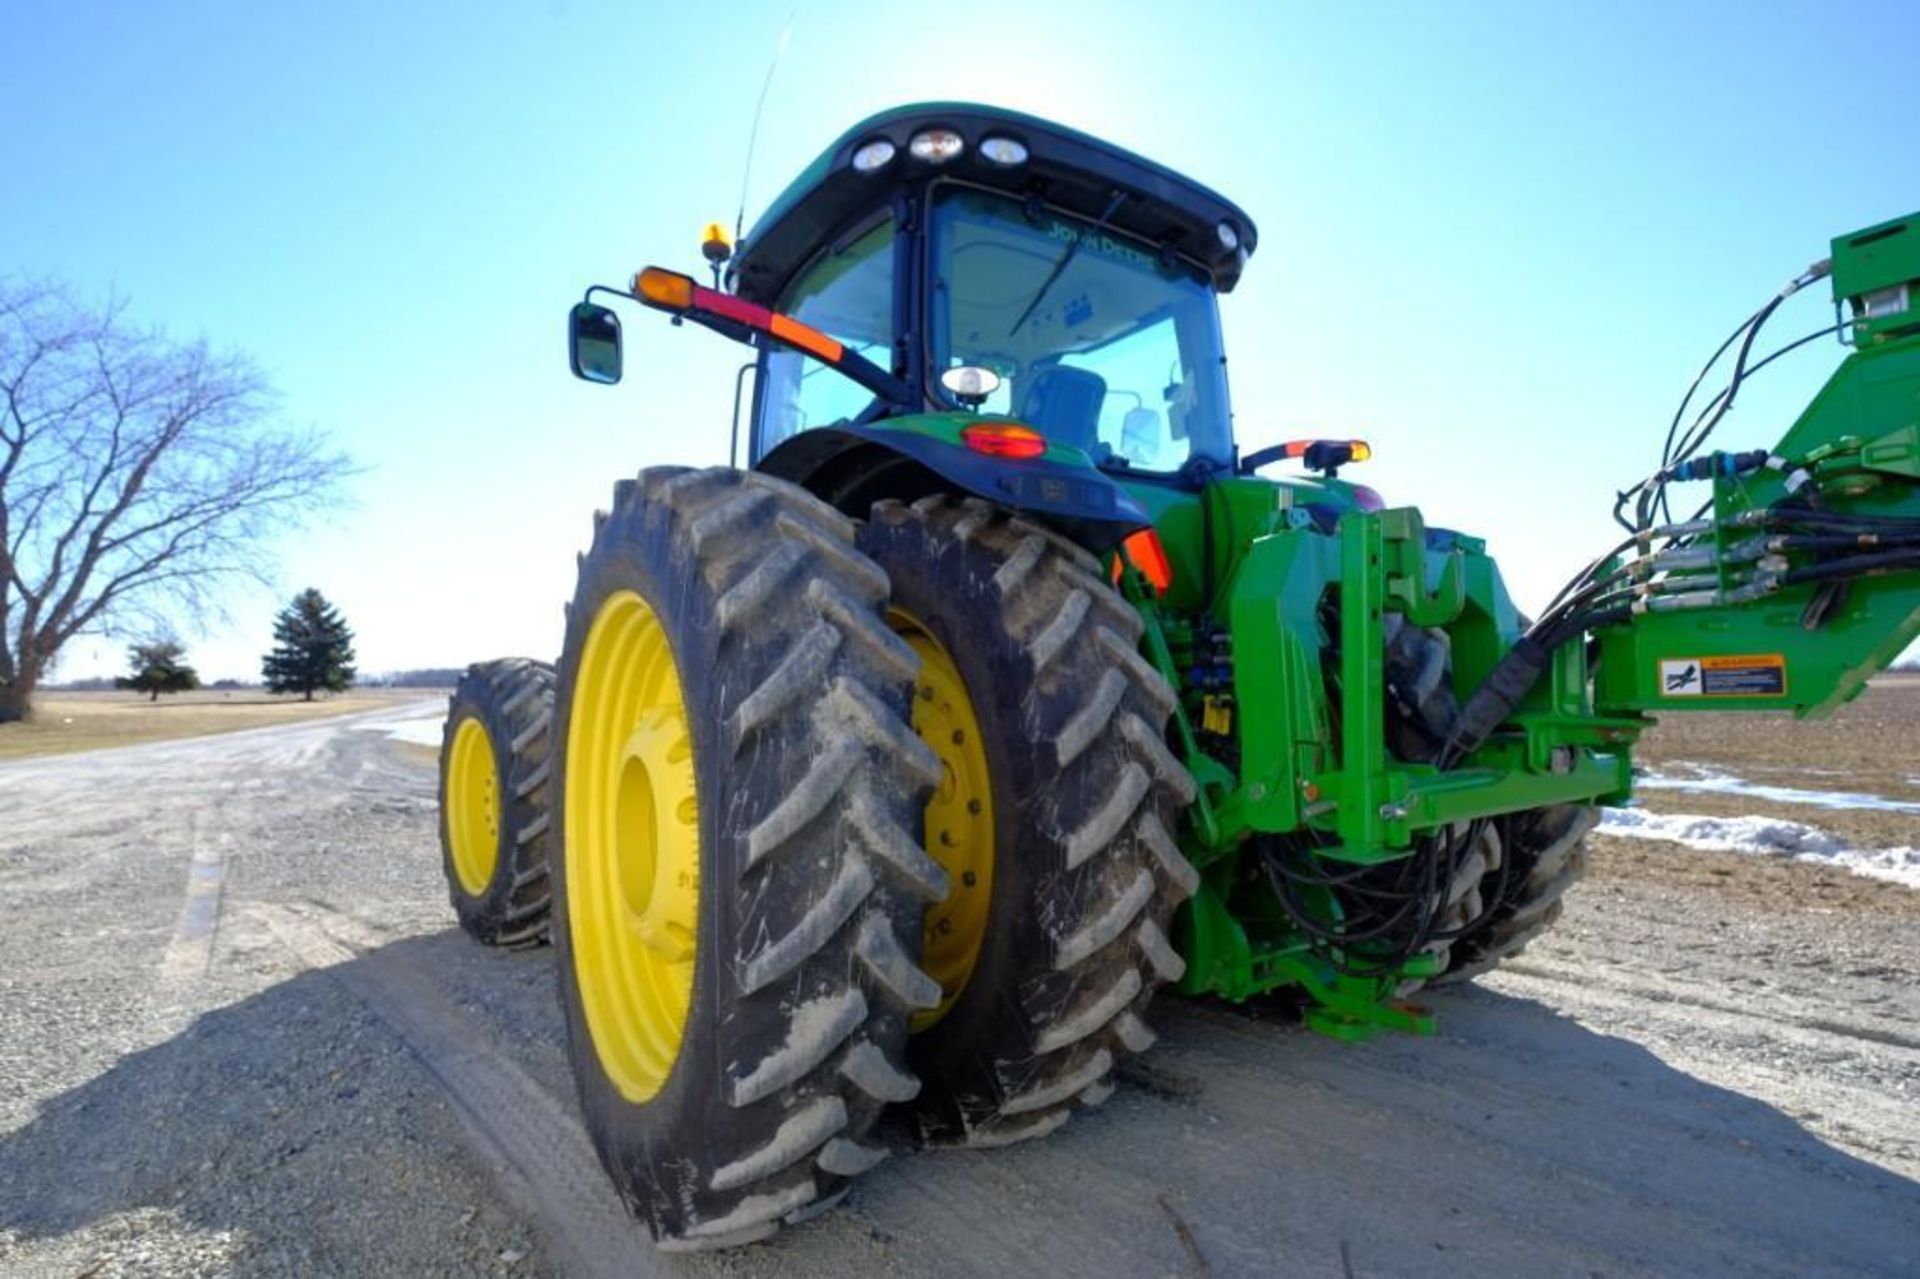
(632,846)
(959,817)
(473,807)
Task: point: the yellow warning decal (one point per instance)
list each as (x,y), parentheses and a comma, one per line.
(1744,675)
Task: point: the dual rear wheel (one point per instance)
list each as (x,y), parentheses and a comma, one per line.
(849,824)
(739,893)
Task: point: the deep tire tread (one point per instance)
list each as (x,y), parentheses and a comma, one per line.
(513,699)
(1550,856)
(807,693)
(1104,793)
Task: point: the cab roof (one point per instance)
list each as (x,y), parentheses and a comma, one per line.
(1064,168)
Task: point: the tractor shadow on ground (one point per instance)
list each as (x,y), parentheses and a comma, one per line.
(1518,1142)
(297,1120)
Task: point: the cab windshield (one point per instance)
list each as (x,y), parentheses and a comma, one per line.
(1119,355)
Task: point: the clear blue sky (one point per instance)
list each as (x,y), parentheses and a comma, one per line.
(1495,238)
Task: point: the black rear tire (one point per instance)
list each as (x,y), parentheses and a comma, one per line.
(1085,798)
(808,786)
(512,699)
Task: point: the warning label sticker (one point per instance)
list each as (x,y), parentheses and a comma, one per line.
(1751,675)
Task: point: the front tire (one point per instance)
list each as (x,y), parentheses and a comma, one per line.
(494,832)
(740,893)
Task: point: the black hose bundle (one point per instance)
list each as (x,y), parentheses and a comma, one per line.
(1650,495)
(1388,912)
(1605,592)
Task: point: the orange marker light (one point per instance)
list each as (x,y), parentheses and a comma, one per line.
(665,289)
(806,337)
(671,291)
(1004,439)
(1146,552)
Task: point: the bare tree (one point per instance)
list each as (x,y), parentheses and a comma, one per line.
(137,475)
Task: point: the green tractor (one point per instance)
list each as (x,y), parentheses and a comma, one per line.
(880,784)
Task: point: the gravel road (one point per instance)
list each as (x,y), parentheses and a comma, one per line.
(239,1033)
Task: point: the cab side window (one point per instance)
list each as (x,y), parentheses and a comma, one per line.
(847,293)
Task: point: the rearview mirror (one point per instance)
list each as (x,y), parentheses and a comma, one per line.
(593,343)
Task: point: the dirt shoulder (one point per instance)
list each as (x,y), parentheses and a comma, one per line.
(63,723)
(1854,776)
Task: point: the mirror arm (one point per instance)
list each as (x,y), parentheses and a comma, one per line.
(894,390)
(609,290)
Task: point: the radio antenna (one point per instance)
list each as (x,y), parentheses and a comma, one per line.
(753,136)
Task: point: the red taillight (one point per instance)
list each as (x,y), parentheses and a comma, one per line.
(1146,552)
(1004,439)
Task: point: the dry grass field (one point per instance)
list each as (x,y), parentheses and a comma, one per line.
(66,722)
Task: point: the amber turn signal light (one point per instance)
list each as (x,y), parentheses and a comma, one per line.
(668,290)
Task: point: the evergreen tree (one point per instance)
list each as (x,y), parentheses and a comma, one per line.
(158,667)
(313,649)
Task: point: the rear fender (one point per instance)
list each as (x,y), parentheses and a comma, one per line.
(854,466)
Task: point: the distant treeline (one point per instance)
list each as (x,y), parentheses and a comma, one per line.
(431,677)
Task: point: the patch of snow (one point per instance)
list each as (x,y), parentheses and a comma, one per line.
(1765,836)
(1797,770)
(1711,781)
(423,732)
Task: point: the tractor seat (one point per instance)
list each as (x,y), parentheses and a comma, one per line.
(1063,404)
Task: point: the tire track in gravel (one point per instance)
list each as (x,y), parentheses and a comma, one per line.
(1651,990)
(190,950)
(533,1142)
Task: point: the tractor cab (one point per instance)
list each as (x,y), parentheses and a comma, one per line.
(1116,353)
(989,288)
(1077,279)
